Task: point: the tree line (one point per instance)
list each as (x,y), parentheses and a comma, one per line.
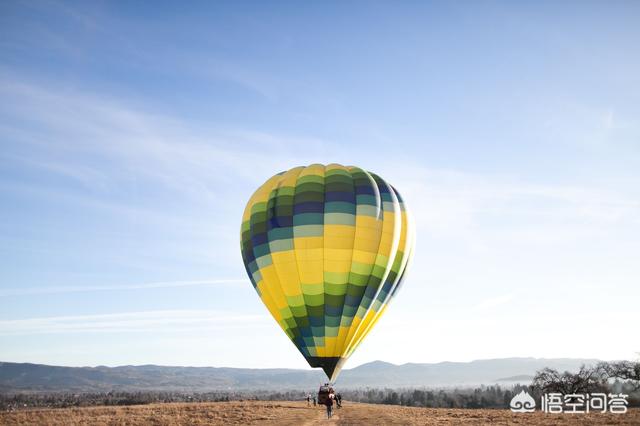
(479,397)
(606,377)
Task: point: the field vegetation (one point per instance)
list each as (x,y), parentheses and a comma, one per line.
(297,413)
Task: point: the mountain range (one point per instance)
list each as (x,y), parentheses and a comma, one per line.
(25,377)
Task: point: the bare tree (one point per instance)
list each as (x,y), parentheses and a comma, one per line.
(586,380)
(628,371)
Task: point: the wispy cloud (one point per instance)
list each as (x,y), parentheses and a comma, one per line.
(89,288)
(129,139)
(108,143)
(146,321)
(461,204)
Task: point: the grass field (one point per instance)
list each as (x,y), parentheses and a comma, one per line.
(297,413)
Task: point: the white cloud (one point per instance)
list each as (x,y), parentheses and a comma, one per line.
(156,321)
(462,204)
(69,128)
(91,288)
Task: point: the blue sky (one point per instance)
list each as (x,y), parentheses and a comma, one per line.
(131,137)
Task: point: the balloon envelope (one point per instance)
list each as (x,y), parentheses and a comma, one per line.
(326,248)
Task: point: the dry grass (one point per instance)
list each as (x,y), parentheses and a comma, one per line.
(297,413)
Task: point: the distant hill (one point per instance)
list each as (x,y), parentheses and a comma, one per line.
(522,378)
(23,377)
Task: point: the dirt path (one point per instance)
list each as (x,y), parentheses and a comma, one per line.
(296,413)
(319,418)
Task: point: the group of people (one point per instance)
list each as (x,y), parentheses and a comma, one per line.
(309,400)
(328,401)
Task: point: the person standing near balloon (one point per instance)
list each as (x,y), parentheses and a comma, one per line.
(329,403)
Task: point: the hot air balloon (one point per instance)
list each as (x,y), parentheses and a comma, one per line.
(326,249)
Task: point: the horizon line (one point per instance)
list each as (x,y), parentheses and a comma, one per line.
(309,368)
